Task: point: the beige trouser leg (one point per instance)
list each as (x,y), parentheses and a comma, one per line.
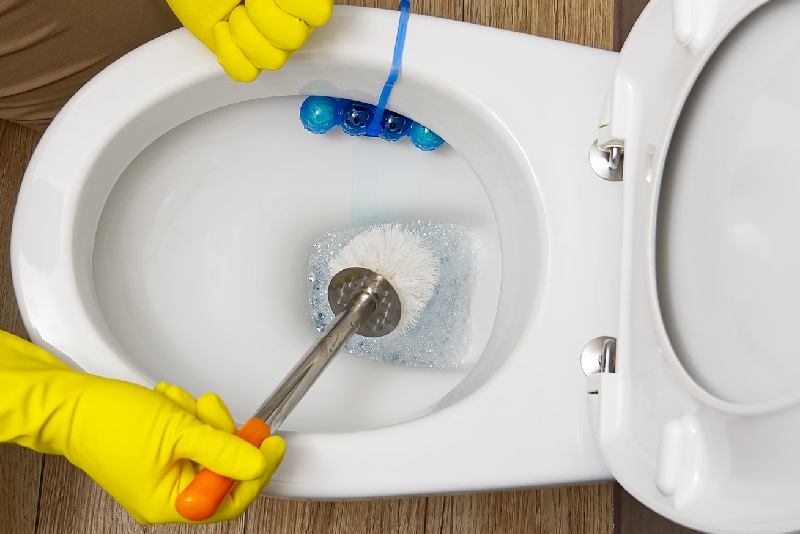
(50,48)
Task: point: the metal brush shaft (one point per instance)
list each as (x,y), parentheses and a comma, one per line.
(286,396)
(361,299)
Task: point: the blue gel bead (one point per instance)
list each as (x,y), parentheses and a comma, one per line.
(356,116)
(320,113)
(394,126)
(424,138)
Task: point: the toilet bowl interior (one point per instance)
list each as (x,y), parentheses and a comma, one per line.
(199,262)
(201,256)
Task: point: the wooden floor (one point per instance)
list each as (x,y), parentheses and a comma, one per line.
(46,495)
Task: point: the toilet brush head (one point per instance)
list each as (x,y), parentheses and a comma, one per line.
(400,256)
(442,335)
(356,285)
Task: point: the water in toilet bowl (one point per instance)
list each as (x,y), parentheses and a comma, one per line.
(202,222)
(426,343)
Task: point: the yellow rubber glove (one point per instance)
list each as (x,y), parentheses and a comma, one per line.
(257,35)
(140,445)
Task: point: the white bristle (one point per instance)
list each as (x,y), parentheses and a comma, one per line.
(400,256)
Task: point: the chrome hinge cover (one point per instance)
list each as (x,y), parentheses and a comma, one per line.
(607,161)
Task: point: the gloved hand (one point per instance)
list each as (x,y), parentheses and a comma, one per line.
(259,35)
(139,445)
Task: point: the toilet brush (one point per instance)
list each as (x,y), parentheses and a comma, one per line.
(385,278)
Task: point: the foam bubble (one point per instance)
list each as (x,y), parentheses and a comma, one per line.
(442,334)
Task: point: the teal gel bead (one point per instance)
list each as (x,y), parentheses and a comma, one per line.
(320,113)
(424,138)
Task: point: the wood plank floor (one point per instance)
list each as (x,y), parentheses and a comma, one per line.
(45,494)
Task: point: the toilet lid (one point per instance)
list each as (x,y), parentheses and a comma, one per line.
(699,418)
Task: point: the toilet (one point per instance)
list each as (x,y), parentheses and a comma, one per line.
(632,311)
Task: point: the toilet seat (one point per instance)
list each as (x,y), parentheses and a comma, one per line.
(692,441)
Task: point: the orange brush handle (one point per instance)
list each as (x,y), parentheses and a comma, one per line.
(203,495)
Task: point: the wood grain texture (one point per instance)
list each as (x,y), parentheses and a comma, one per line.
(20,469)
(376,516)
(632,517)
(237,526)
(449,9)
(627,13)
(586,22)
(20,472)
(16,147)
(565,510)
(70,502)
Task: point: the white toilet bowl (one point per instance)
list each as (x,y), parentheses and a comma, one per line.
(165,222)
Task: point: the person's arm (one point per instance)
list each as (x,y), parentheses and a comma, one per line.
(140,445)
(254,36)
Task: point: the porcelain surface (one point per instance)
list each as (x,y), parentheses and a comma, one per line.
(161,163)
